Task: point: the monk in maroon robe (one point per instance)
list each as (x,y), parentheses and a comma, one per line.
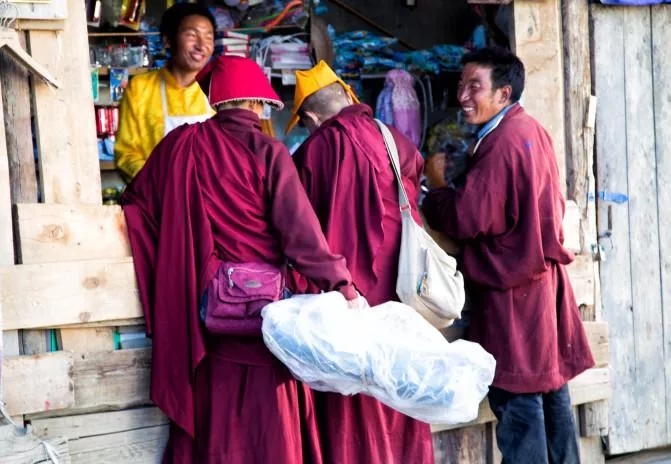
(508,220)
(223,191)
(348,177)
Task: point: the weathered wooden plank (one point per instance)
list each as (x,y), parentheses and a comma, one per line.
(6,229)
(56,233)
(597,336)
(35,341)
(661,57)
(16,105)
(136,446)
(37,383)
(89,425)
(578,90)
(107,382)
(10,342)
(591,450)
(39,25)
(54,9)
(572,227)
(65,122)
(581,275)
(466,445)
(613,220)
(537,41)
(112,380)
(89,340)
(19,448)
(56,294)
(649,380)
(593,419)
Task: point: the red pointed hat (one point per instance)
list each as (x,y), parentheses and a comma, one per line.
(232,78)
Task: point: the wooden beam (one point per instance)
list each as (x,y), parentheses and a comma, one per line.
(572,225)
(65,121)
(594,419)
(613,220)
(37,383)
(104,423)
(597,336)
(52,10)
(52,295)
(39,25)
(56,233)
(537,40)
(645,233)
(14,80)
(466,445)
(107,382)
(661,57)
(112,380)
(579,130)
(17,447)
(581,274)
(142,446)
(93,340)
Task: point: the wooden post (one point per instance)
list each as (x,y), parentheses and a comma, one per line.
(579,138)
(537,40)
(22,168)
(66,134)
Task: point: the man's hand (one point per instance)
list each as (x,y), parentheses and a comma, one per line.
(434,170)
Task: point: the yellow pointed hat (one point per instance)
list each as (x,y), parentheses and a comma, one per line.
(311,81)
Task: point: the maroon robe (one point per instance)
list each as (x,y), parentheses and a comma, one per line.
(508,216)
(222,190)
(346,172)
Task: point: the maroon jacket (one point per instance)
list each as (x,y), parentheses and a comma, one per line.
(509,216)
(219,190)
(347,174)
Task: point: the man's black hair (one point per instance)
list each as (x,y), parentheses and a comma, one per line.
(507,68)
(173,17)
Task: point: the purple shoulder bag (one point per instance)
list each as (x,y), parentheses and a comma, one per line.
(237,294)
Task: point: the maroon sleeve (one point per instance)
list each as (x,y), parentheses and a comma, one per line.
(478,209)
(302,239)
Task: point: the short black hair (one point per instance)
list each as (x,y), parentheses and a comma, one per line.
(173,17)
(507,68)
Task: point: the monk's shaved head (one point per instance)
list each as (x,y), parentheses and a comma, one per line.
(327,102)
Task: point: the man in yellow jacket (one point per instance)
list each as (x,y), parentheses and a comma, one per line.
(159,101)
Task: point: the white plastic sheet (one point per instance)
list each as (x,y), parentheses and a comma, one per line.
(389,352)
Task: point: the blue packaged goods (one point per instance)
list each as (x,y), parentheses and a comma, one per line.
(388,352)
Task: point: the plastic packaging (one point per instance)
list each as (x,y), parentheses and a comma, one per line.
(388,351)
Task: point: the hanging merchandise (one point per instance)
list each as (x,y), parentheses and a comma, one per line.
(131,13)
(273,13)
(398,105)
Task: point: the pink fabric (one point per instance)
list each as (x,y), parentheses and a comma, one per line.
(508,218)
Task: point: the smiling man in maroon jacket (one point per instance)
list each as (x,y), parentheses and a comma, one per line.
(508,219)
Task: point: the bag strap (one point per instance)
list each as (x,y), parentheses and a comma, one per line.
(392,151)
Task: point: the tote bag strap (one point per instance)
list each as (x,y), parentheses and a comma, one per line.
(392,151)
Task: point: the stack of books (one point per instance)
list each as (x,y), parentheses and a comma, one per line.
(230,43)
(290,56)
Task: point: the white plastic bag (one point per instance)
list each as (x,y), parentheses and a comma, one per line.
(388,351)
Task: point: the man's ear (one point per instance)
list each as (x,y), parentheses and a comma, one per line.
(312,117)
(166,41)
(506,93)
